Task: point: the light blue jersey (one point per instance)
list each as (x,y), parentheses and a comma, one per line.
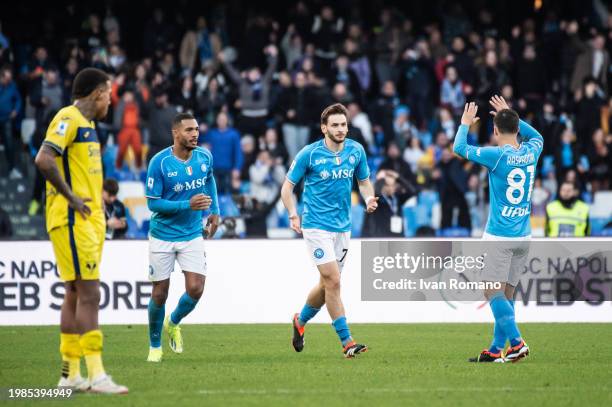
(171,183)
(511,177)
(328,180)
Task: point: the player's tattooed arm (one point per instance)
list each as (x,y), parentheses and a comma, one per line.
(45,161)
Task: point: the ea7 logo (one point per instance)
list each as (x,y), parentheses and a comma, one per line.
(320,161)
(172,174)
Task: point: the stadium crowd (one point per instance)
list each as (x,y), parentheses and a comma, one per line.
(258,97)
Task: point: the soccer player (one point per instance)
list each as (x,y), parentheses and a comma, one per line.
(328,166)
(180,185)
(70,160)
(511,166)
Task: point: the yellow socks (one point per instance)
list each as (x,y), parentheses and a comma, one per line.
(91,344)
(70,349)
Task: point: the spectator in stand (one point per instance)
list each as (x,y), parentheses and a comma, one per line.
(567,216)
(592,62)
(269,142)
(249,155)
(588,113)
(393,191)
(600,160)
(127,120)
(212,101)
(184,97)
(160,115)
(114,210)
(396,163)
(10,106)
(451,91)
(343,73)
(293,105)
(267,176)
(452,186)
(224,144)
(47,94)
(254,90)
(360,121)
(292,46)
(413,153)
(6,227)
(383,112)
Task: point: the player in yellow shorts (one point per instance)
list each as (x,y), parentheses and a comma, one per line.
(71,162)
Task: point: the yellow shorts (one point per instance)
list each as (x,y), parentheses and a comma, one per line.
(78,250)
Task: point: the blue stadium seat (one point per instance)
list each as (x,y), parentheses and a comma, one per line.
(598,226)
(227,207)
(454,232)
(357,217)
(410,224)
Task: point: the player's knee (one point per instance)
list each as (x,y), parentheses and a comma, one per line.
(195,290)
(89,298)
(332,283)
(159,297)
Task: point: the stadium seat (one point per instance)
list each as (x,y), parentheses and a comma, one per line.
(227,206)
(454,232)
(138,209)
(130,189)
(410,225)
(357,217)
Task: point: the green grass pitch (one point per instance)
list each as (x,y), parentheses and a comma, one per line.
(248,365)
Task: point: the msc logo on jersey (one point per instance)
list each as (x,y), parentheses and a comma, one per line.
(196,183)
(189,170)
(319,253)
(336,174)
(178,187)
(324,174)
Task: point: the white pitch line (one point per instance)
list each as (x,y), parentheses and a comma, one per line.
(211,392)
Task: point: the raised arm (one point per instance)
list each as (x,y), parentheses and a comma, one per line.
(486,156)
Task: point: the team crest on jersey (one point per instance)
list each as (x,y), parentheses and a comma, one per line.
(203,167)
(324,174)
(189,170)
(352,159)
(319,253)
(178,187)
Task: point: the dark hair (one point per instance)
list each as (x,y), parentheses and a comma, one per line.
(180,117)
(111,186)
(336,108)
(87,81)
(507,121)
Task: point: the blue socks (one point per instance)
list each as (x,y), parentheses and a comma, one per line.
(505,324)
(308,312)
(342,330)
(185,305)
(156,321)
